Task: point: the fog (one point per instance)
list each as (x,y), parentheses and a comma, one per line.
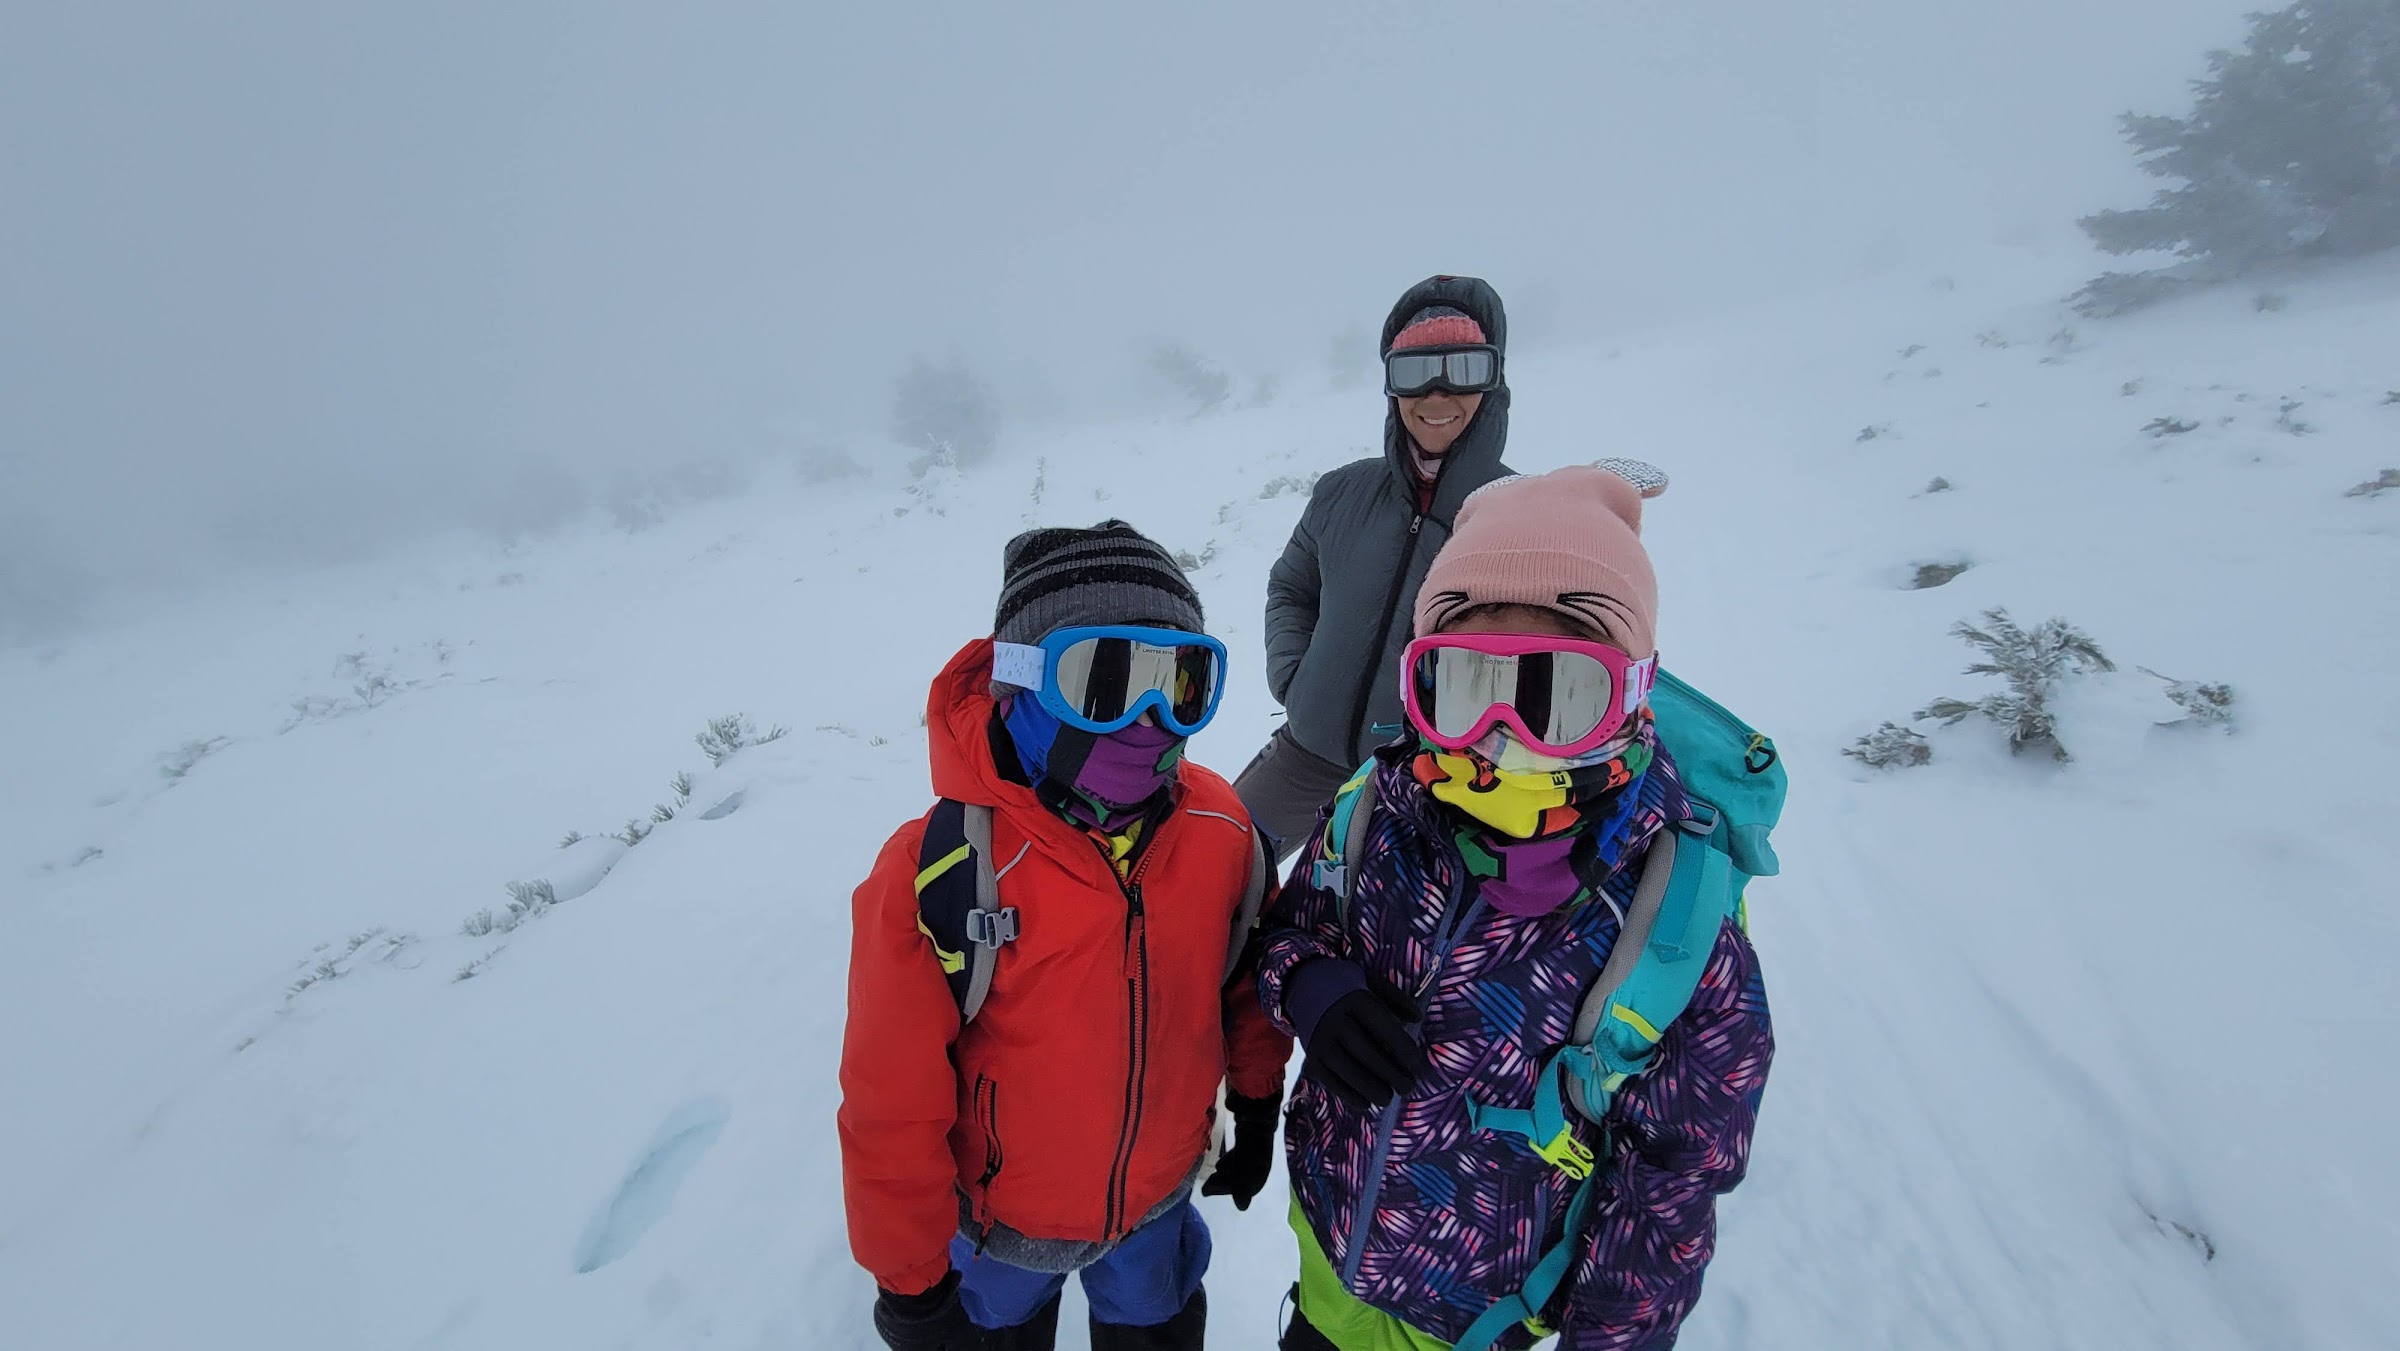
(284,283)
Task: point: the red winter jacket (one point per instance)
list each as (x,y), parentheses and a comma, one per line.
(1082,1095)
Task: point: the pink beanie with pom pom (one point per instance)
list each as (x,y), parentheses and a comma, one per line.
(1569,541)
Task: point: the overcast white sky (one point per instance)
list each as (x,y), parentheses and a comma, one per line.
(285,280)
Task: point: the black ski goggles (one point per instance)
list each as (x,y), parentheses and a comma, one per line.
(1460,370)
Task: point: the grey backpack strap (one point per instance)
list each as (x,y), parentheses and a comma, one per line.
(989,926)
(1633,937)
(1254,899)
(1354,841)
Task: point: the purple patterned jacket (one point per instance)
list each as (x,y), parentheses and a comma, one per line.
(1459,1217)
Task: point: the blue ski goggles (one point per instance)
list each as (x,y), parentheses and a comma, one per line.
(1103,679)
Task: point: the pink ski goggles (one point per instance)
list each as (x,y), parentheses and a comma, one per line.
(1562,696)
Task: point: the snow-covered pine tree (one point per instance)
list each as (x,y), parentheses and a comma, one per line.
(2292,148)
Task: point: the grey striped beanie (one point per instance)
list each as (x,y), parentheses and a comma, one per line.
(1061,577)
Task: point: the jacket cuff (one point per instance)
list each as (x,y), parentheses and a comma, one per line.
(1244,1109)
(1315,986)
(916,1280)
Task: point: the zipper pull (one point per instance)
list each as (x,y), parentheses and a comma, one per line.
(1416,523)
(1135,924)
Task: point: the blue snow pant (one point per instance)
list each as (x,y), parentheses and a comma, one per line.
(1143,1281)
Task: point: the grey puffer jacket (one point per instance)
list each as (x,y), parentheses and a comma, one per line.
(1339,600)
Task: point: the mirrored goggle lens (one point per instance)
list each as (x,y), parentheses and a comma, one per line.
(1562,697)
(1103,677)
(1415,372)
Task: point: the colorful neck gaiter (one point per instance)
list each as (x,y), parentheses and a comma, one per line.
(1537,828)
(1104,780)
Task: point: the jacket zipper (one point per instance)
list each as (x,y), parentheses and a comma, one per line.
(1137,1029)
(1387,1122)
(987,1115)
(1383,634)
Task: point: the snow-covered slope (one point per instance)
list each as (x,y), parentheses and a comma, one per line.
(2092,1055)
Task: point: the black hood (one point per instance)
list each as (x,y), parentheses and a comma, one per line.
(1475,457)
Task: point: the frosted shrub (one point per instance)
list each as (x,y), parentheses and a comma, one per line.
(1930,575)
(2203,704)
(526,900)
(2032,661)
(723,737)
(2377,486)
(180,761)
(1891,746)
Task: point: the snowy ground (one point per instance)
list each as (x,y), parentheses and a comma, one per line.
(2085,1056)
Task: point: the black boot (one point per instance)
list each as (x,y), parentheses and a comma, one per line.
(1038,1333)
(1302,1335)
(1186,1331)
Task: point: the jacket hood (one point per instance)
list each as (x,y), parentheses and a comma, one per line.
(1486,439)
(958,719)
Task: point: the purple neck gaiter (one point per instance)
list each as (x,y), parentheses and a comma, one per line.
(1119,772)
(1537,876)
(1126,769)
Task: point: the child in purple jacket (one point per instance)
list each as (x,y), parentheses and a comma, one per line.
(1511,826)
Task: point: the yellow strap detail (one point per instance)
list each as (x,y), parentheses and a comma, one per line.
(1635,1021)
(952,962)
(1568,1154)
(942,865)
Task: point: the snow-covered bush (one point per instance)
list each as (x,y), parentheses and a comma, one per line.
(2292,148)
(2203,704)
(526,900)
(722,737)
(1942,573)
(1891,746)
(182,760)
(945,409)
(2377,486)
(1193,376)
(2032,661)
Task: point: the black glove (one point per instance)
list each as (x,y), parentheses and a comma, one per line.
(1361,1051)
(933,1321)
(1243,1169)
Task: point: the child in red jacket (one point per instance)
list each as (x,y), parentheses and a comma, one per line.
(1063,1125)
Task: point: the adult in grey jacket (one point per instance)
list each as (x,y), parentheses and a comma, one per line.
(1338,600)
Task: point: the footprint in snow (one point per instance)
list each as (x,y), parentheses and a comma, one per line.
(648,1190)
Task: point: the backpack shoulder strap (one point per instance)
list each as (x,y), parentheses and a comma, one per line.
(1345,839)
(958,907)
(1254,900)
(1688,891)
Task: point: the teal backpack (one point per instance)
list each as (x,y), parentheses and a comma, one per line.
(1692,882)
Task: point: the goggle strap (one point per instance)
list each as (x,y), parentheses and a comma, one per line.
(1017,664)
(1639,679)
